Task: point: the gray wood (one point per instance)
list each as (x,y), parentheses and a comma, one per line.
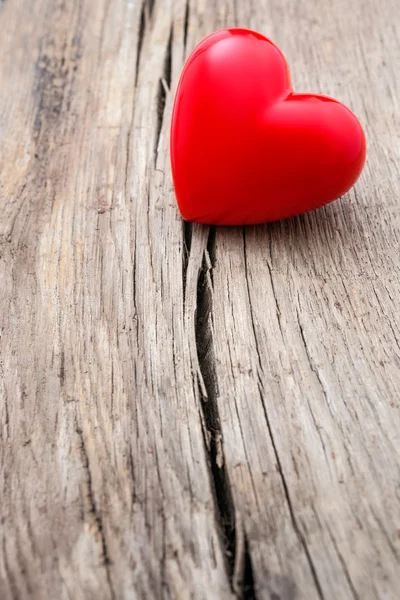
(191,412)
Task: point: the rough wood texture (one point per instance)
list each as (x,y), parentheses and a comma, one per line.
(190,412)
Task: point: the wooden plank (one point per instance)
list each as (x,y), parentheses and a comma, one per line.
(190,412)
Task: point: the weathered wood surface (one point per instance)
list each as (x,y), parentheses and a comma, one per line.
(189,412)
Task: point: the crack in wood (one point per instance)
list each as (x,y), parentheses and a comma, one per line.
(6,412)
(187,231)
(310,360)
(232,537)
(163,559)
(150,4)
(96,513)
(209,395)
(164,85)
(242,578)
(342,562)
(13,588)
(139,46)
(146,12)
(316,373)
(187,235)
(386,536)
(248,588)
(186,26)
(250,305)
(61,373)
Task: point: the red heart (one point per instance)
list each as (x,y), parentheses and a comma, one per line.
(245,148)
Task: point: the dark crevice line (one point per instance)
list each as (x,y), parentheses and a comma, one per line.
(20,563)
(315,371)
(249,592)
(163,559)
(243,578)
(96,513)
(386,536)
(146,13)
(142,27)
(168,59)
(61,373)
(149,236)
(131,464)
(127,155)
(278,312)
(14,218)
(10,578)
(186,26)
(128,198)
(310,361)
(269,265)
(211,243)
(343,563)
(325,394)
(165,81)
(112,383)
(225,511)
(6,413)
(187,231)
(249,299)
(231,532)
(150,4)
(389,321)
(187,235)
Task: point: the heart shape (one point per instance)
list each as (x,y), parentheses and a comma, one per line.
(245,148)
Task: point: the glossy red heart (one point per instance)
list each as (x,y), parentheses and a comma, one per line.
(245,148)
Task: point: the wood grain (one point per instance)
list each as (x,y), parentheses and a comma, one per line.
(191,412)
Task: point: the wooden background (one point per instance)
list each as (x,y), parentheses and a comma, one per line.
(190,412)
